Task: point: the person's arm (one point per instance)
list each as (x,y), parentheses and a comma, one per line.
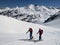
(37,32)
(27,31)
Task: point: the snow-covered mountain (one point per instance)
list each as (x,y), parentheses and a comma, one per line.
(12,31)
(30,13)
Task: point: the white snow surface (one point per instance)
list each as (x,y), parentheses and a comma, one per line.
(12,30)
(55,23)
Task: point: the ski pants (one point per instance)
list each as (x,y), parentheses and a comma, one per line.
(30,35)
(39,37)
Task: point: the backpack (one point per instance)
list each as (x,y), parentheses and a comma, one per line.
(30,29)
(40,32)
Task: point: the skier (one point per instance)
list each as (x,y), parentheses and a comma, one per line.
(40,32)
(31,31)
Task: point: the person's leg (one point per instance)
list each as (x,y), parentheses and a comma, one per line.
(39,37)
(30,35)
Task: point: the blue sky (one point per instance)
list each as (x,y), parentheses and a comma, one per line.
(14,3)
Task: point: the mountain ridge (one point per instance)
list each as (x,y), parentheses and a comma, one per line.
(30,13)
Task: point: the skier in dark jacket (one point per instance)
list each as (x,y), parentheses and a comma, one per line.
(40,32)
(31,31)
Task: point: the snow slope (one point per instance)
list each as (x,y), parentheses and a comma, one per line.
(55,23)
(12,30)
